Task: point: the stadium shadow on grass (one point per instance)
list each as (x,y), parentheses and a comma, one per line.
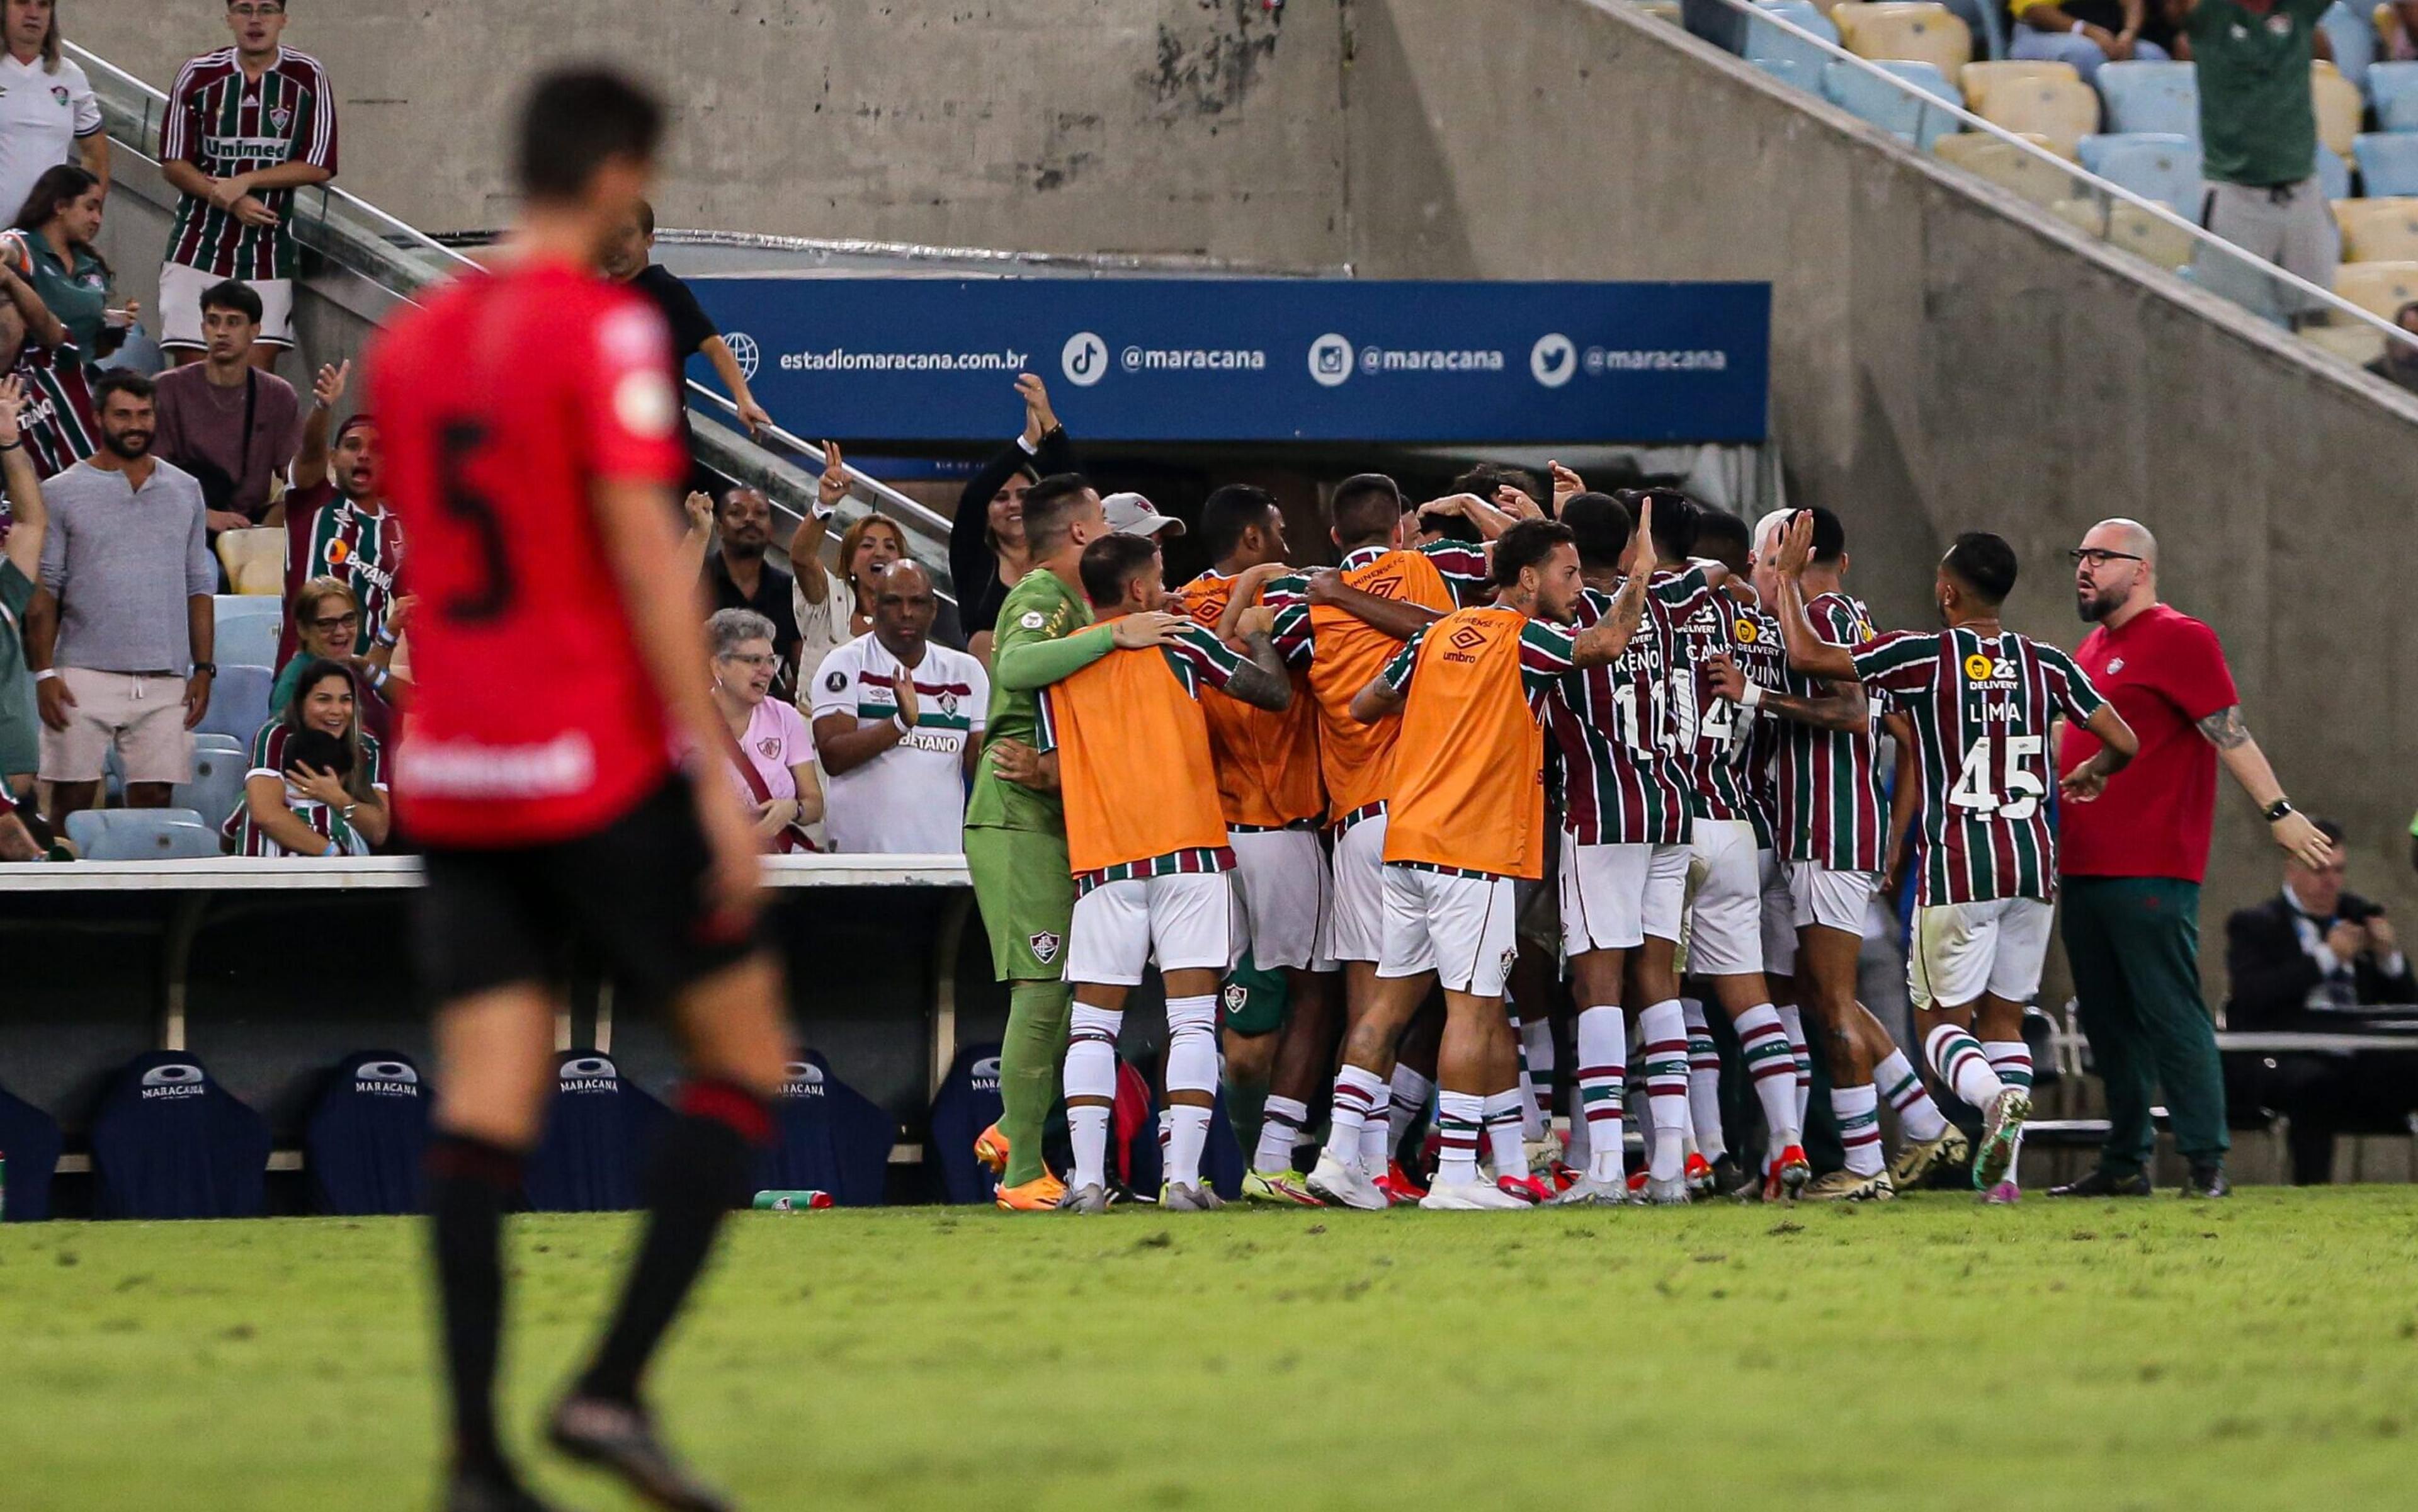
(2259,1353)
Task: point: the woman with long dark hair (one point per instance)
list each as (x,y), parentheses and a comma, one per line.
(58,226)
(317,786)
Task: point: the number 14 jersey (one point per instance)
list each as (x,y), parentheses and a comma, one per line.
(1980,707)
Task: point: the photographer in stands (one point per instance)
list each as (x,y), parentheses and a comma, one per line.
(317,786)
(772,752)
(987,555)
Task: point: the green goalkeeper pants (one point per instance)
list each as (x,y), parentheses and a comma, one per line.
(1026,896)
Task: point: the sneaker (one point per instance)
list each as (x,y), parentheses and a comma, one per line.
(2099,1184)
(2004,1195)
(1400,1185)
(1468,1197)
(1527,1189)
(2207,1180)
(494,1491)
(1846,1186)
(1921,1157)
(1282,1188)
(1338,1184)
(1999,1132)
(1090,1201)
(1728,1175)
(1561,1177)
(990,1147)
(1786,1179)
(1636,1181)
(1188,1198)
(620,1438)
(1674,1192)
(1698,1174)
(1542,1155)
(1586,1192)
(1038,1195)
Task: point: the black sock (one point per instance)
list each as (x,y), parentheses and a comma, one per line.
(471,1184)
(700,1174)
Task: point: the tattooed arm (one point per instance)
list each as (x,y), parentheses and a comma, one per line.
(2294,834)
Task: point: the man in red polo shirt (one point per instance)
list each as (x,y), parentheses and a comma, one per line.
(2133,860)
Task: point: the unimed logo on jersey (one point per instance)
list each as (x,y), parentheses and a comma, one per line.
(590,1074)
(174,1081)
(386,1078)
(802,1079)
(985,1074)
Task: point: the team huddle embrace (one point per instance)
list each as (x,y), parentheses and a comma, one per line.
(1456,807)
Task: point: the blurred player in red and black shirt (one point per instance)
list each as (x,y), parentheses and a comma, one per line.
(532,447)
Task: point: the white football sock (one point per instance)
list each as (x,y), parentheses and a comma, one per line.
(1662,1033)
(1919,1117)
(1602,1088)
(1409,1095)
(1091,1072)
(1792,1020)
(1191,1067)
(1536,1074)
(1375,1153)
(1857,1110)
(2012,1061)
(1703,1082)
(1458,1118)
(1771,1066)
(1356,1091)
(1503,1134)
(1281,1121)
(1957,1057)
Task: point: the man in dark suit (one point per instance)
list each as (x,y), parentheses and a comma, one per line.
(2303,962)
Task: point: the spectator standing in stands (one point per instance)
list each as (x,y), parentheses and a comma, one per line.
(119,637)
(56,425)
(60,220)
(2132,860)
(737,576)
(833,608)
(2088,33)
(48,115)
(325,617)
(232,426)
(337,523)
(317,786)
(21,563)
(693,332)
(772,752)
(987,549)
(246,127)
(2259,131)
(896,722)
(2400,363)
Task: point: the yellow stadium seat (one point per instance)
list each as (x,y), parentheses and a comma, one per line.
(2035,178)
(254,559)
(2339,106)
(2379,288)
(1662,10)
(2379,230)
(2062,110)
(1978,79)
(2139,232)
(2387,25)
(1911,31)
(2358,345)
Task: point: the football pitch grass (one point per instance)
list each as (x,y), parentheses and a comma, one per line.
(1926,1354)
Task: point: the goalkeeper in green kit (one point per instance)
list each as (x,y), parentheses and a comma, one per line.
(1016,831)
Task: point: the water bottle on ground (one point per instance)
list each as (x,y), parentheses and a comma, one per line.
(804,1201)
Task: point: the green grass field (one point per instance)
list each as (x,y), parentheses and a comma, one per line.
(1932,1355)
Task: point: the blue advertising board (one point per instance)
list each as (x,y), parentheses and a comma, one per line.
(1254,359)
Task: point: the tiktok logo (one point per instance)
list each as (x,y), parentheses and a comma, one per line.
(1085,358)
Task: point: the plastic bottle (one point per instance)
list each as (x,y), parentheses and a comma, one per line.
(791,1202)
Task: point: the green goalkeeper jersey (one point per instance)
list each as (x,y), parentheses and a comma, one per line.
(1044,634)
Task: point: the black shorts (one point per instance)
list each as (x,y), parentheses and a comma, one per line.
(631,895)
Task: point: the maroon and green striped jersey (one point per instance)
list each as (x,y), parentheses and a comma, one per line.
(1826,782)
(1711,731)
(1616,773)
(225,124)
(1734,768)
(328,535)
(57,424)
(268,759)
(1980,706)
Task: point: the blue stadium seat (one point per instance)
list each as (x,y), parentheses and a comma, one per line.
(141,834)
(248,626)
(238,701)
(30,1139)
(2333,176)
(168,1142)
(966,1104)
(220,762)
(598,1130)
(1896,111)
(1767,43)
(366,1134)
(2156,165)
(2150,96)
(2354,37)
(1790,70)
(2393,86)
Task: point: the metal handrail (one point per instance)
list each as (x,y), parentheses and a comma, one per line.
(1972,122)
(1144,263)
(876,495)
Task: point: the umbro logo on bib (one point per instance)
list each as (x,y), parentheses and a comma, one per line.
(1044,946)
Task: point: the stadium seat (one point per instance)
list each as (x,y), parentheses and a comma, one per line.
(220,763)
(1662,10)
(2338,105)
(168,1142)
(1769,42)
(2393,86)
(1900,112)
(1978,79)
(832,1139)
(2379,288)
(1790,71)
(248,630)
(2379,230)
(598,1128)
(2144,234)
(2333,174)
(255,560)
(2151,97)
(238,701)
(2062,110)
(2354,39)
(141,834)
(2388,163)
(2358,345)
(1906,31)
(966,1104)
(2002,163)
(30,1139)
(2156,165)
(366,1134)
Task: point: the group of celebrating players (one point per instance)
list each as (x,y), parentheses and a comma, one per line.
(1364,778)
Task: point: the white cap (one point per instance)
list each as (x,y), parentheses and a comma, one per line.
(1134,515)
